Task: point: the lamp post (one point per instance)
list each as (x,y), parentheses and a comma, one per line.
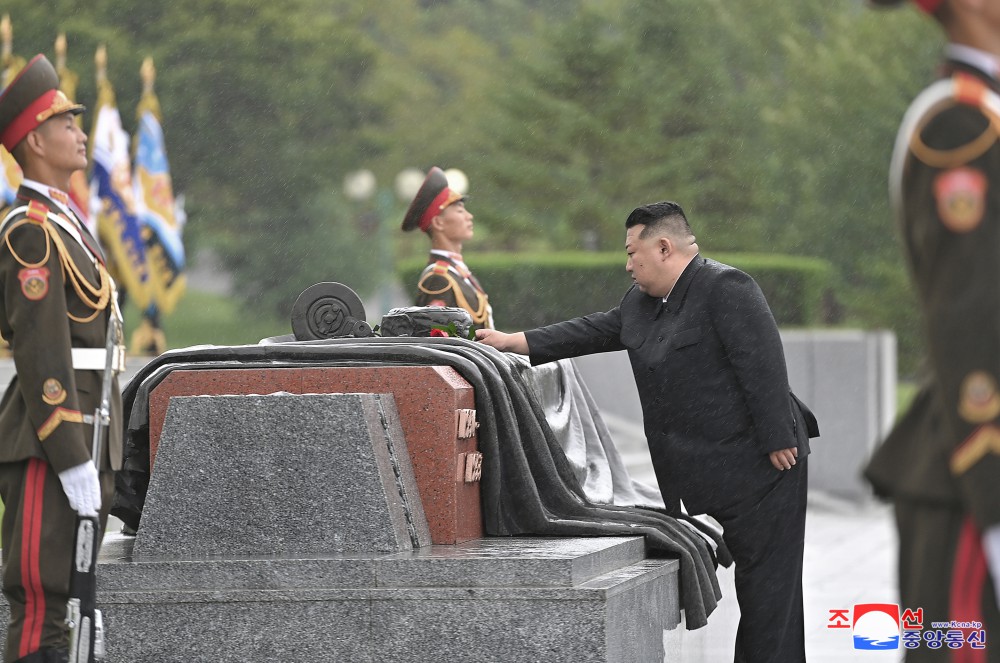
(361,186)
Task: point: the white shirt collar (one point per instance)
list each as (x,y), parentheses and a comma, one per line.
(450,255)
(981,60)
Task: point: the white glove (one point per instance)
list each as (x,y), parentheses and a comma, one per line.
(991,546)
(82,488)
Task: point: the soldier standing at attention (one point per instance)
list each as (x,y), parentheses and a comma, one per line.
(446,281)
(941,463)
(56,299)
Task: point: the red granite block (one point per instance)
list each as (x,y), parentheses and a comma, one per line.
(429,400)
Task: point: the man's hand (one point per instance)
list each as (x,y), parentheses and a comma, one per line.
(501,341)
(784,459)
(82,488)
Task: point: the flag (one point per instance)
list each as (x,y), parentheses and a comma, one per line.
(155,205)
(112,199)
(10,178)
(10,172)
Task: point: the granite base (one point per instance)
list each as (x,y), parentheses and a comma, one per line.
(497,599)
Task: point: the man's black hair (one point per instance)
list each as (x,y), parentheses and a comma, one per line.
(666,216)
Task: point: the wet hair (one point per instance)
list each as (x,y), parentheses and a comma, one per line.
(666,218)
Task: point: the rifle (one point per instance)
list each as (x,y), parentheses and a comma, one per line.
(86,625)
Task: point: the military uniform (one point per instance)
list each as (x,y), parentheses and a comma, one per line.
(447,281)
(941,463)
(56,298)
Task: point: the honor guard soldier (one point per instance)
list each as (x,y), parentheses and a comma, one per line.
(940,465)
(56,299)
(446,281)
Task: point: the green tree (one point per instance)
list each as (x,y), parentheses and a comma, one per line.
(834,110)
(263,104)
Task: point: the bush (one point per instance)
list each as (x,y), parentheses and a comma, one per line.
(532,289)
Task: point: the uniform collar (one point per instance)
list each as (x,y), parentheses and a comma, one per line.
(448,255)
(455,259)
(983,62)
(34,190)
(59,198)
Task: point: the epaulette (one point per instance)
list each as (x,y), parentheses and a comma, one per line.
(439,269)
(970,90)
(37,212)
(961,89)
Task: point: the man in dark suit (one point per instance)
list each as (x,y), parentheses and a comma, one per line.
(940,465)
(56,299)
(725,434)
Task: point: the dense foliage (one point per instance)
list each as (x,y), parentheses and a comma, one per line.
(771,122)
(542,288)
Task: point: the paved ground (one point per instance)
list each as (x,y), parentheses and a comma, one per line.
(850,558)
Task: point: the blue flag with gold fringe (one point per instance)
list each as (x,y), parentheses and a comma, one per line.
(10,172)
(112,198)
(155,205)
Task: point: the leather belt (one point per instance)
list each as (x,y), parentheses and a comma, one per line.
(95,359)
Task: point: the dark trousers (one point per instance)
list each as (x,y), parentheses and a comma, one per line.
(38,529)
(766,537)
(942,574)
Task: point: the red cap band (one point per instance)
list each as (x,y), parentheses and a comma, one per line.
(929,6)
(27,120)
(442,200)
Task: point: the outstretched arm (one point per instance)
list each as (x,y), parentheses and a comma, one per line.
(515,342)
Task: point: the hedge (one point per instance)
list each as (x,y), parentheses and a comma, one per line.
(532,289)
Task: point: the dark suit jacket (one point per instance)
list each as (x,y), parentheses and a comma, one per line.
(710,370)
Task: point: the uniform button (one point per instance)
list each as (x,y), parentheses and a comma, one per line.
(651,369)
(659,339)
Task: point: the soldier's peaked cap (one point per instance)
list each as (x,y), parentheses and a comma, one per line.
(432,197)
(31,98)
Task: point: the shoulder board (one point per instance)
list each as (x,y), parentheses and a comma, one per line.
(961,89)
(37,212)
(13,213)
(970,90)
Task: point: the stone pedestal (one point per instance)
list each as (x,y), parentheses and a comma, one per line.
(280,474)
(238,558)
(431,401)
(572,600)
(288,527)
